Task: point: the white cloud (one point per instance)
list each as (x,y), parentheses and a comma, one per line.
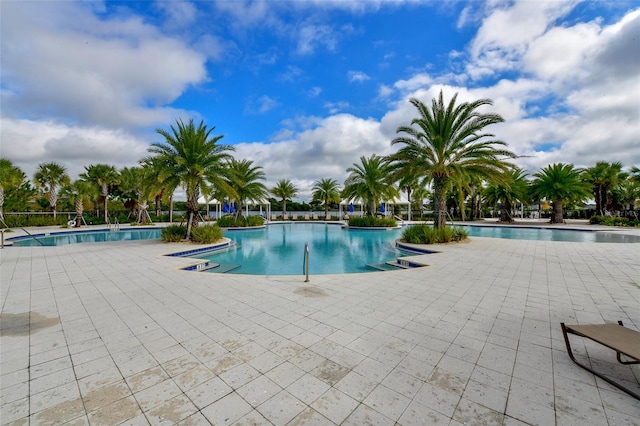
(28,143)
(62,61)
(312,36)
(357,76)
(324,151)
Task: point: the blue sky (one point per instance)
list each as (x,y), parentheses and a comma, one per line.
(304,88)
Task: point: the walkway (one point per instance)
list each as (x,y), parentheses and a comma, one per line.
(111,333)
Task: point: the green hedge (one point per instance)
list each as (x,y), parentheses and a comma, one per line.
(174,233)
(426,234)
(206,234)
(613,221)
(17,221)
(373,222)
(230,221)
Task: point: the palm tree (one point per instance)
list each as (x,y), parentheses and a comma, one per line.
(371,180)
(50,177)
(80,191)
(560,183)
(284,189)
(326,191)
(513,188)
(136,184)
(244,184)
(10,177)
(448,142)
(603,177)
(627,192)
(105,177)
(191,156)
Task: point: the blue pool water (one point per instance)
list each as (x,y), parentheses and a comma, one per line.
(73,237)
(279,248)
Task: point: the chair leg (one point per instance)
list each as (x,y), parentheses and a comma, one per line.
(602,376)
(618,354)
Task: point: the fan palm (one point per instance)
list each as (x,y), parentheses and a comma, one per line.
(284,189)
(10,176)
(136,184)
(326,191)
(507,192)
(447,142)
(243,183)
(560,183)
(371,180)
(50,177)
(105,177)
(191,157)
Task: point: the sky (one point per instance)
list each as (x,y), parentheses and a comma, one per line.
(306,88)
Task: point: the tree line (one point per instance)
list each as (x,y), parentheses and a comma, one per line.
(444,154)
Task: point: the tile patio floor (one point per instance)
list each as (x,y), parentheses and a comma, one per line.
(116,333)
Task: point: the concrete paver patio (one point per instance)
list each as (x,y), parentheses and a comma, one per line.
(117,333)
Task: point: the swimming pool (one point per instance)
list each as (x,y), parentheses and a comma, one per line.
(279,248)
(89,236)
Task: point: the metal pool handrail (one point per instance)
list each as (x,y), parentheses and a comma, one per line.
(305,262)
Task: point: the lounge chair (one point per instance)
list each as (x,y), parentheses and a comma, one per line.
(315,217)
(274,217)
(328,217)
(624,341)
(306,217)
(294,217)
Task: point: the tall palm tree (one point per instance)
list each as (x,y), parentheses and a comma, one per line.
(50,177)
(326,191)
(448,141)
(507,192)
(80,191)
(10,177)
(191,156)
(284,189)
(243,181)
(371,180)
(560,183)
(105,177)
(603,178)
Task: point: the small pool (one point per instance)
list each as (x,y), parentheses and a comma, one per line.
(91,236)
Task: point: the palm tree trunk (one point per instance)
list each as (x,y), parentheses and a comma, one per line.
(505,212)
(105,193)
(556,217)
(440,221)
(79,211)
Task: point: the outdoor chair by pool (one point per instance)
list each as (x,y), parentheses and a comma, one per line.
(624,341)
(306,217)
(315,217)
(274,217)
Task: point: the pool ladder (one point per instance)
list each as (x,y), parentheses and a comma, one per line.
(115,226)
(305,262)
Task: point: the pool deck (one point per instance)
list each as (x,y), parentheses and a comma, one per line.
(117,333)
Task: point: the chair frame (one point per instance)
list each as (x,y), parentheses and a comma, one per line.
(632,334)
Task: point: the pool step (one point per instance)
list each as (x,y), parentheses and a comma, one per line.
(221,268)
(386,266)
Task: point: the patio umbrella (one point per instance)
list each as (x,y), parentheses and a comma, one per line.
(382,208)
(225,207)
(231,209)
(350,207)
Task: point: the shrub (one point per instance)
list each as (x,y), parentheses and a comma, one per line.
(206,234)
(17,221)
(613,221)
(230,221)
(426,234)
(174,233)
(373,222)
